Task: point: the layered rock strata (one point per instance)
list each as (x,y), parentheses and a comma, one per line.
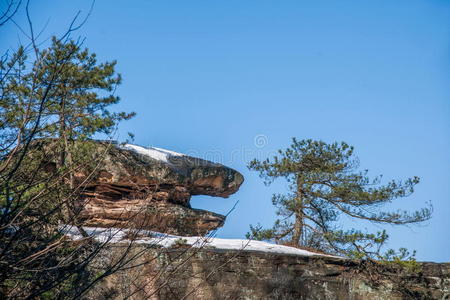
(226,274)
(150,188)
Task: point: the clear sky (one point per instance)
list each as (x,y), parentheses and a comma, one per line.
(207,77)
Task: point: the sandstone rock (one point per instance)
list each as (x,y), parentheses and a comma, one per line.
(215,274)
(135,165)
(150,188)
(161,217)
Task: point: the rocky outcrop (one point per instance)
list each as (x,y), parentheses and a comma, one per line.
(150,188)
(218,274)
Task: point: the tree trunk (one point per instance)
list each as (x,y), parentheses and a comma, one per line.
(66,160)
(298,228)
(298,225)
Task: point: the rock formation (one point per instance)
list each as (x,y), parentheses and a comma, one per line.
(150,188)
(217,274)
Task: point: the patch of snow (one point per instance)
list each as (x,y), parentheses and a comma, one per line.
(172,153)
(118,235)
(153,152)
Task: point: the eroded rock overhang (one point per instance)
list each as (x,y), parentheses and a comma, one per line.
(151,188)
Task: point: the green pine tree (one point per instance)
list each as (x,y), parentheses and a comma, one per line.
(325,184)
(78,92)
(81,94)
(51,104)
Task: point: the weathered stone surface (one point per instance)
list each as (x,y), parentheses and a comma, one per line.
(151,189)
(124,166)
(157,216)
(215,274)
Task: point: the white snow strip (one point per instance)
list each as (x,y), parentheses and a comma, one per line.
(118,235)
(169,152)
(153,152)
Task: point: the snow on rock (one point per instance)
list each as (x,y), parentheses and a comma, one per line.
(118,235)
(153,152)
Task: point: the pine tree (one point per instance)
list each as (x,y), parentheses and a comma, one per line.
(78,92)
(81,94)
(325,184)
(51,105)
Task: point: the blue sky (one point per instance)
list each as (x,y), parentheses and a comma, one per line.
(207,77)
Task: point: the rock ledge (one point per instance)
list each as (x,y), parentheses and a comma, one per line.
(150,188)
